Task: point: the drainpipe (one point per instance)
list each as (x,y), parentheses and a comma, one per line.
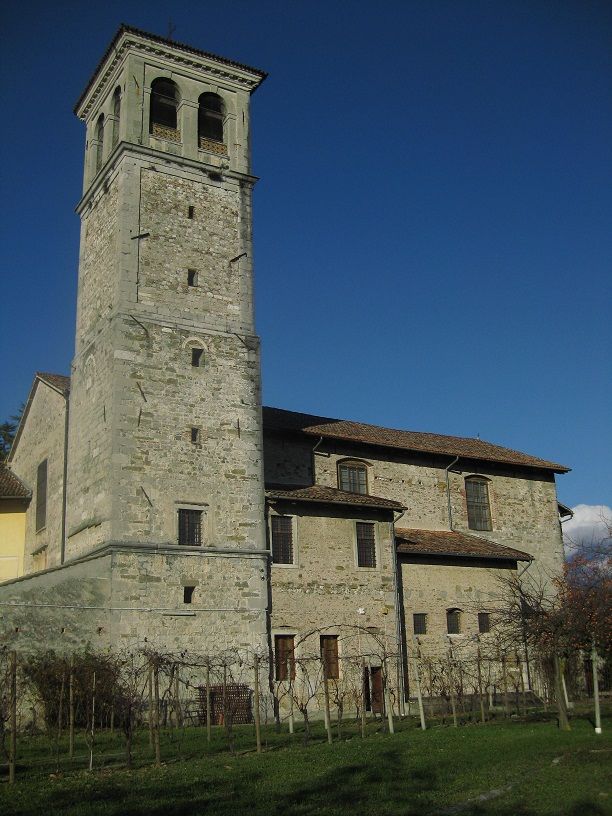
(401,682)
(448,498)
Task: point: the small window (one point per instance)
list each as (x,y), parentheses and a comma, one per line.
(484,622)
(192,277)
(210,118)
(190,211)
(195,435)
(196,357)
(329,656)
(419,623)
(188,594)
(282,539)
(453,621)
(478,507)
(190,527)
(366,545)
(352,477)
(41,496)
(164,105)
(284,657)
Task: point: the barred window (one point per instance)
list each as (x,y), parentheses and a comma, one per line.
(453,621)
(164,104)
(419,623)
(284,657)
(210,117)
(352,477)
(478,508)
(41,496)
(282,539)
(329,656)
(366,545)
(190,527)
(484,622)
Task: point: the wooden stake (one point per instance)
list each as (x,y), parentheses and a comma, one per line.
(256,701)
(419,695)
(363,699)
(327,712)
(208,706)
(156,714)
(388,705)
(594,662)
(151,740)
(71,709)
(480,697)
(93,720)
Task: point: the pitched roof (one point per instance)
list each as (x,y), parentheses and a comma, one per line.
(277,419)
(58,381)
(450,542)
(127,29)
(11,486)
(331,495)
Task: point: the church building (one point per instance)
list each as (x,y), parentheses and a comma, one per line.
(161,502)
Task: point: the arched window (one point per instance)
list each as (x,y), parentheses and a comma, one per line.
(116,114)
(99,141)
(453,621)
(353,476)
(478,507)
(210,118)
(164,105)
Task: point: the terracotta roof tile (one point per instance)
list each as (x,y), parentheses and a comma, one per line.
(331,495)
(450,542)
(277,419)
(11,486)
(59,381)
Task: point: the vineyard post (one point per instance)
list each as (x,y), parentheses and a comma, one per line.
(256,701)
(419,695)
(13,742)
(93,720)
(594,662)
(208,706)
(327,711)
(71,709)
(156,713)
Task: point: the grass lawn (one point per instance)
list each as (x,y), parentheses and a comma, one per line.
(521,768)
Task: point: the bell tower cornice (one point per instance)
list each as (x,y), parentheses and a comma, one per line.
(129,39)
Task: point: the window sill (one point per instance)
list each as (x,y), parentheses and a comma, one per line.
(285,566)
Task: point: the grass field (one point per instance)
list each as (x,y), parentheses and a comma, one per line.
(516,768)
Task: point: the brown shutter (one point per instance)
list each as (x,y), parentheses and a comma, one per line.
(329,656)
(284,657)
(41,496)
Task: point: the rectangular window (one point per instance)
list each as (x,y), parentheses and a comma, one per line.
(41,496)
(190,211)
(190,527)
(188,594)
(196,356)
(453,622)
(366,545)
(329,656)
(478,508)
(282,539)
(195,435)
(353,478)
(419,623)
(284,657)
(484,622)
(192,277)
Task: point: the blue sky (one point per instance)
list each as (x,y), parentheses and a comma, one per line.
(433,235)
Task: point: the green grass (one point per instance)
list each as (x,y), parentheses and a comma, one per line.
(538,769)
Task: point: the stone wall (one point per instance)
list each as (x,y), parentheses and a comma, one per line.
(43,437)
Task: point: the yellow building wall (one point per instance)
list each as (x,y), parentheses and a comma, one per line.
(12,539)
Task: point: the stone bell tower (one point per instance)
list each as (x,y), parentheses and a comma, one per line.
(165,440)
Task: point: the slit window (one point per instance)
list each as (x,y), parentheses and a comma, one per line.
(188,594)
(99,141)
(116,114)
(41,496)
(192,277)
(282,539)
(190,211)
(453,621)
(284,657)
(195,435)
(478,506)
(366,545)
(196,357)
(190,527)
(419,623)
(484,622)
(329,656)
